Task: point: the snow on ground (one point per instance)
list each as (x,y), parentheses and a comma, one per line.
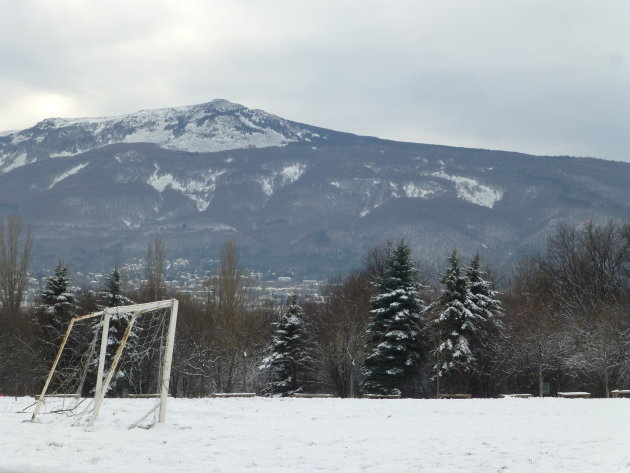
(330,435)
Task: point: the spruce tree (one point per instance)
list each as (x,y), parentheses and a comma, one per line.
(112,296)
(483,299)
(57,299)
(488,310)
(394,338)
(56,309)
(290,360)
(456,323)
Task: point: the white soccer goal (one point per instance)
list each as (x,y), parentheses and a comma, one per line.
(76,355)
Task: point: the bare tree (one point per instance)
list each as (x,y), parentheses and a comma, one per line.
(21,362)
(601,351)
(339,326)
(232,327)
(375,261)
(534,343)
(194,358)
(587,274)
(13,264)
(587,266)
(155,270)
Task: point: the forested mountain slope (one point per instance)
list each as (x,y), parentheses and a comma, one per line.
(295,197)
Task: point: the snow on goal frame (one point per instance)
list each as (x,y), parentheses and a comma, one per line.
(102,384)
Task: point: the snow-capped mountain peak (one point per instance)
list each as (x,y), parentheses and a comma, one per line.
(218,125)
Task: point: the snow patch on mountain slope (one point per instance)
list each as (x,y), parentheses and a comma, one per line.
(416,191)
(266,185)
(200,190)
(221,227)
(413,190)
(67,174)
(126,156)
(395,191)
(131,225)
(285,176)
(67,154)
(159,183)
(21,160)
(367,185)
(470,190)
(292,172)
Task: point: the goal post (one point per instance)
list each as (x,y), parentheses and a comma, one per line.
(42,395)
(102,383)
(168,361)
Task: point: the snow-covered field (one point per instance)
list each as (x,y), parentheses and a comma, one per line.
(308,435)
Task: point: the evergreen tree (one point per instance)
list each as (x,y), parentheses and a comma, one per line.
(456,323)
(57,307)
(483,300)
(394,338)
(57,299)
(289,363)
(112,296)
(488,311)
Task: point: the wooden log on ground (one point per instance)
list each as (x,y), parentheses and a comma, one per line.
(455,396)
(233,395)
(144,396)
(58,395)
(311,395)
(380,396)
(523,395)
(620,393)
(575,395)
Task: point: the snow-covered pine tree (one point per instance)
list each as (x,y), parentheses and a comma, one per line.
(488,311)
(455,324)
(55,310)
(57,300)
(394,338)
(112,296)
(483,301)
(290,361)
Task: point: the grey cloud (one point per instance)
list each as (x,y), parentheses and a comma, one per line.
(535,76)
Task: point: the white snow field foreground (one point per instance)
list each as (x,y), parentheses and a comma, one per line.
(328,435)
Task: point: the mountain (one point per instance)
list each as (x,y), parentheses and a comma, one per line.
(216,126)
(297,198)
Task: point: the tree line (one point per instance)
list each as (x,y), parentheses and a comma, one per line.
(560,320)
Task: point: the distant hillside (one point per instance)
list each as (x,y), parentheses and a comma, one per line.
(295,197)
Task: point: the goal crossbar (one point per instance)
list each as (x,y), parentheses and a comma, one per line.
(102,385)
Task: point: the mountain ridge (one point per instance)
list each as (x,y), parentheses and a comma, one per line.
(297,198)
(217,125)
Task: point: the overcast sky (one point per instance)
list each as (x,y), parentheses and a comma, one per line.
(544,77)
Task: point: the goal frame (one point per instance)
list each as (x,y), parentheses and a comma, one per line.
(103,384)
